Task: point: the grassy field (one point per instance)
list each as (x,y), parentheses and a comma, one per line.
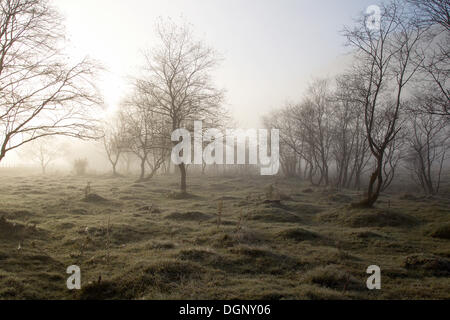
(145,243)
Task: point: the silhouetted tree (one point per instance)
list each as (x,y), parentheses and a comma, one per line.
(146,133)
(428,141)
(178,80)
(114,142)
(384,67)
(434,55)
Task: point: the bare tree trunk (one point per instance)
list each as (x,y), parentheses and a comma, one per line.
(374,192)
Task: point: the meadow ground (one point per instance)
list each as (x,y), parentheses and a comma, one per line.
(147,243)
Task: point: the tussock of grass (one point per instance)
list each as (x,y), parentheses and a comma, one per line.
(442,232)
(314,292)
(180,195)
(341,198)
(172,270)
(381,218)
(426,262)
(161,276)
(199,255)
(16,214)
(66,225)
(298,234)
(78,211)
(333,277)
(269,213)
(121,234)
(373,217)
(137,185)
(303,208)
(149,209)
(219,239)
(195,254)
(8,228)
(104,290)
(250,259)
(253,252)
(93,197)
(250,237)
(227,198)
(228,239)
(14,230)
(367,235)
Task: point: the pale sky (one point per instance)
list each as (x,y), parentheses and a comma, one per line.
(271,49)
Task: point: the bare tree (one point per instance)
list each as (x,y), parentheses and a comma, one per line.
(114,142)
(40,93)
(146,133)
(42,151)
(393,155)
(300,136)
(178,80)
(384,68)
(434,56)
(290,143)
(319,105)
(326,126)
(307,130)
(350,147)
(433,12)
